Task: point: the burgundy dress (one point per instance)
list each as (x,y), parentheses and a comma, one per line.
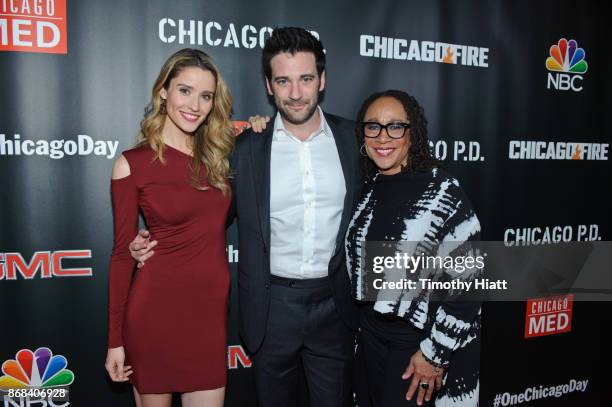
(170,315)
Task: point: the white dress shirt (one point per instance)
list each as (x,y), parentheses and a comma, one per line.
(307,192)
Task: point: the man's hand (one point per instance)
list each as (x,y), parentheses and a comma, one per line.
(141,247)
(258,123)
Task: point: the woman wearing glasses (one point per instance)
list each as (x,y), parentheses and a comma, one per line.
(409,346)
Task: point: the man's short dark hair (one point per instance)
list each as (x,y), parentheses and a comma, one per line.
(292,40)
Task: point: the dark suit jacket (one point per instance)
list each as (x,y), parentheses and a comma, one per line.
(250,165)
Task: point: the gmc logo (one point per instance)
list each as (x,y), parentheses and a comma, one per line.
(50,264)
(33,26)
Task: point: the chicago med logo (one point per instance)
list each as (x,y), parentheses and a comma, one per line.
(36,378)
(50,264)
(549,316)
(33,26)
(566,63)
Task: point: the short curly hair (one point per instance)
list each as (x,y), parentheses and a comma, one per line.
(420,157)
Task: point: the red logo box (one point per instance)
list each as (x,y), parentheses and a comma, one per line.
(548,315)
(239,126)
(33,26)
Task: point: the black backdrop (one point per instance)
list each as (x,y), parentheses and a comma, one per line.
(98,86)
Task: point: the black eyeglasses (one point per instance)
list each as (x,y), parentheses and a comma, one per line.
(394,130)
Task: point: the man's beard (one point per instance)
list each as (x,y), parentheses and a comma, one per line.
(297,120)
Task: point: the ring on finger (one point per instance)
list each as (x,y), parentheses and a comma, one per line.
(424,385)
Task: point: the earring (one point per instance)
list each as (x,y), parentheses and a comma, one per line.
(162,105)
(362,150)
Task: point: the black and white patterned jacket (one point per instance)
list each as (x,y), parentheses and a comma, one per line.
(432,214)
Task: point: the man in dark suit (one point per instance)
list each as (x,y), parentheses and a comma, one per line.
(294,190)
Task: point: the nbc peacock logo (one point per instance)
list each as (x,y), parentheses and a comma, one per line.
(566,63)
(38,369)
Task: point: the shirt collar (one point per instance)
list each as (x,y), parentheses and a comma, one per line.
(279,127)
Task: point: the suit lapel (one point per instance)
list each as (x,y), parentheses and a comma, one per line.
(346,153)
(261,149)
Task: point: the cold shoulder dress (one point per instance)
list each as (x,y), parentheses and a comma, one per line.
(170,315)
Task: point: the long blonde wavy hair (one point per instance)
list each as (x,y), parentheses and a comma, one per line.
(213,141)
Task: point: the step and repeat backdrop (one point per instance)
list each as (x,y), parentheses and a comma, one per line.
(517,95)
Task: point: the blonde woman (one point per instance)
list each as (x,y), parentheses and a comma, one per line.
(167,322)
